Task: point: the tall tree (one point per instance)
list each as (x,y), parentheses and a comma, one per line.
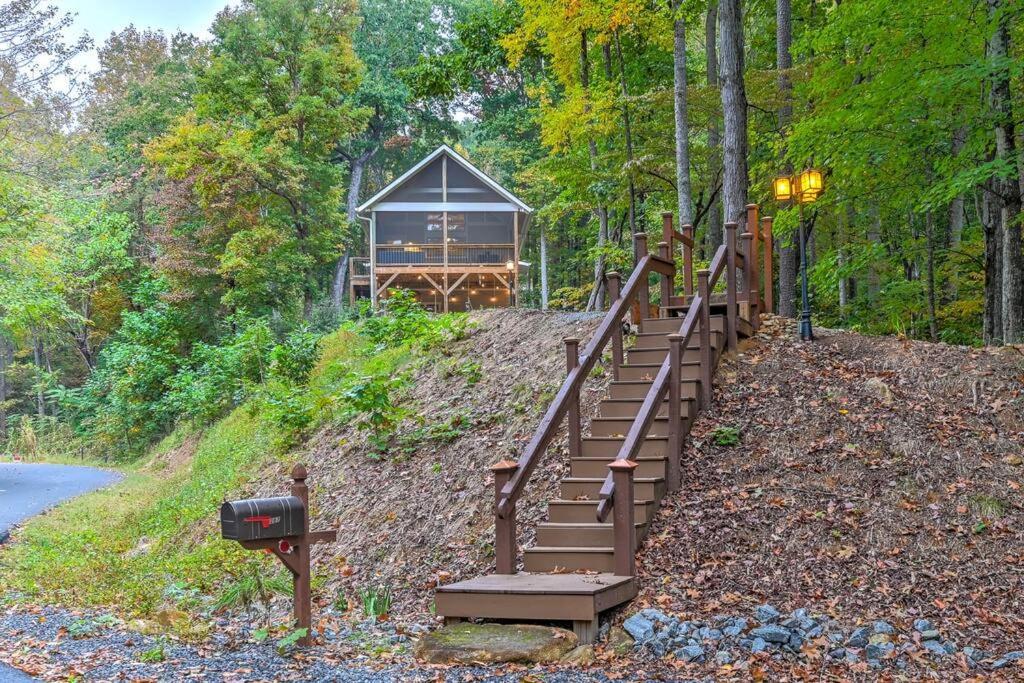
(784,63)
(714,229)
(734,109)
(682,122)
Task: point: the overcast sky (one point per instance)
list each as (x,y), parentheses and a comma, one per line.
(102,17)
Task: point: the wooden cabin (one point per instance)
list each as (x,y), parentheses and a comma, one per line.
(446,231)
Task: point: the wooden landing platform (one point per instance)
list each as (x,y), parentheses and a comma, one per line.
(536,597)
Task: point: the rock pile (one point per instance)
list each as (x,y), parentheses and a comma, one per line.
(727,639)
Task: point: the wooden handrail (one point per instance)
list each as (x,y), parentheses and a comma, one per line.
(556,412)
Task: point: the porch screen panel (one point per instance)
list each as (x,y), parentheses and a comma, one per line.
(463,186)
(490,227)
(425,186)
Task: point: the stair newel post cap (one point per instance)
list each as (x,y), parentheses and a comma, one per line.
(704,272)
(622,465)
(666,214)
(505,466)
(674,338)
(767,219)
(299,473)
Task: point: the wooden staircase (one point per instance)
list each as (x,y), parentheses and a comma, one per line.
(583,563)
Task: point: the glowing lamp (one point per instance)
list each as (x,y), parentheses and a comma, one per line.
(783,189)
(510,265)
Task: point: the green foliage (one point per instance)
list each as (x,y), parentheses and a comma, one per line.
(155,654)
(376,601)
(250,587)
(288,641)
(725,436)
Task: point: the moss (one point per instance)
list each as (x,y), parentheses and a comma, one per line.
(491,643)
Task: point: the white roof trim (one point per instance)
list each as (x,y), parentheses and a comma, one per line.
(444,149)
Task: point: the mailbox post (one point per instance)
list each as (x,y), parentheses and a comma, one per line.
(280,525)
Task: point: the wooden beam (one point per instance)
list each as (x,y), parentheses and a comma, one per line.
(431,281)
(457,283)
(383,288)
(503,280)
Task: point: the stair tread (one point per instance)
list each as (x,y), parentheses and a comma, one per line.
(585,501)
(598,458)
(538,584)
(621,438)
(640,400)
(657,365)
(583,525)
(645,480)
(571,549)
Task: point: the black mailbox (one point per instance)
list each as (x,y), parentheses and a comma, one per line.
(261,518)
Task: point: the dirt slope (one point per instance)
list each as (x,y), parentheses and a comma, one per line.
(874,477)
(402,522)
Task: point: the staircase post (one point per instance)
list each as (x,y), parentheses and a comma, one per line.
(504,529)
(688,263)
(755,256)
(704,292)
(572,359)
(665,252)
(666,228)
(614,291)
(644,295)
(731,334)
(623,519)
(769,257)
(749,284)
(675,436)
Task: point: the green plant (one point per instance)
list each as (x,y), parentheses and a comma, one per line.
(286,643)
(436,468)
(251,588)
(83,628)
(376,601)
(155,654)
(725,436)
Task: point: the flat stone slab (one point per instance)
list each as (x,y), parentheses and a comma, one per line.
(468,643)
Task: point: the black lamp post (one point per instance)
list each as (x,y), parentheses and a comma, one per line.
(804,188)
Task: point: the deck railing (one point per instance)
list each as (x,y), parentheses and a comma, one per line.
(511,478)
(434,254)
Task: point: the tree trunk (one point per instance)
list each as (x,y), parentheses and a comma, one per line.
(1009,189)
(357,169)
(37,355)
(734,108)
(991,225)
(596,301)
(3,387)
(714,231)
(929,235)
(788,261)
(626,126)
(681,119)
(543,269)
(955,228)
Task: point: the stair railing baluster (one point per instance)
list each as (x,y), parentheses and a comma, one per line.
(731,333)
(675,436)
(749,291)
(624,526)
(643,296)
(572,359)
(614,291)
(769,257)
(688,261)
(505,550)
(704,294)
(665,252)
(754,283)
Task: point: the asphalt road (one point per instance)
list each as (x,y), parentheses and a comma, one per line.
(28,489)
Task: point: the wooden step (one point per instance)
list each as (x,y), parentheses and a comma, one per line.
(598,467)
(552,535)
(589,488)
(578,598)
(582,511)
(638,388)
(652,340)
(648,371)
(717,298)
(619,426)
(549,559)
(658,354)
(607,447)
(630,407)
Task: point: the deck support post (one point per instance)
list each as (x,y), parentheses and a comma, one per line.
(572,359)
(749,284)
(731,314)
(586,631)
(675,436)
(704,292)
(623,517)
(643,297)
(614,291)
(769,257)
(665,252)
(504,528)
(754,284)
(688,262)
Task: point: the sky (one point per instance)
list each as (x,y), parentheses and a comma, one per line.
(102,17)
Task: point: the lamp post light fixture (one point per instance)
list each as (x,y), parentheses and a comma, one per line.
(803,188)
(510,266)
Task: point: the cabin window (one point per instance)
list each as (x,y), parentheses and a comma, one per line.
(409,227)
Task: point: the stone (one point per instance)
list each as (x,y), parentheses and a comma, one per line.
(1008,658)
(950,647)
(581,655)
(759,645)
(922,625)
(713,634)
(975,655)
(880,389)
(619,641)
(879,638)
(766,614)
(934,647)
(468,643)
(690,653)
(884,627)
(930,634)
(640,627)
(859,637)
(814,632)
(878,650)
(796,642)
(723,657)
(771,633)
(658,616)
(838,653)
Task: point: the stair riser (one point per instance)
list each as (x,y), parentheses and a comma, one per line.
(648,373)
(646,469)
(620,427)
(585,513)
(577,490)
(689,389)
(670,325)
(653,448)
(546,562)
(557,537)
(658,355)
(632,408)
(659,341)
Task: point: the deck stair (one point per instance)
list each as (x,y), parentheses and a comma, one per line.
(583,560)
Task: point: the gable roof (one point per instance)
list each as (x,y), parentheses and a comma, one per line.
(455,156)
